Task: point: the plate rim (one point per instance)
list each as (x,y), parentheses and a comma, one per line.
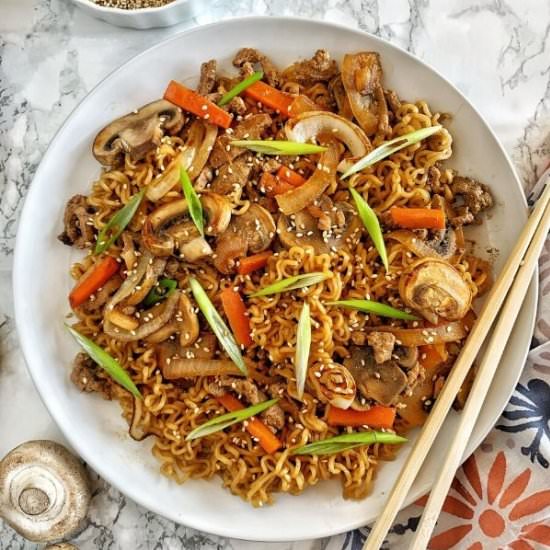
(27,351)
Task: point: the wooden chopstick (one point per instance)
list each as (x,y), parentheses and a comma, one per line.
(445,399)
(482,381)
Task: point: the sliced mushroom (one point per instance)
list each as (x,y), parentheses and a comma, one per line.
(137,133)
(252,232)
(310,126)
(44,491)
(381,382)
(136,430)
(217,210)
(442,245)
(362,79)
(303,229)
(435,289)
(77,228)
(406,356)
(334,384)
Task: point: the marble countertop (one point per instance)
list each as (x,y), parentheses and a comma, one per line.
(52,54)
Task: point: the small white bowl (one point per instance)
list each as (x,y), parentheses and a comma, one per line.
(145,18)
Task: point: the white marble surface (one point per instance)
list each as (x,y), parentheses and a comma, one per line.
(51,54)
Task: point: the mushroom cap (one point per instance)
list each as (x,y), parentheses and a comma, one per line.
(44,491)
(136,133)
(61,546)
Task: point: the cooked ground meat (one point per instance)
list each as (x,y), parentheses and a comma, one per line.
(208,77)
(250,128)
(78,231)
(231,177)
(237,106)
(247,57)
(475,196)
(84,377)
(382,345)
(320,68)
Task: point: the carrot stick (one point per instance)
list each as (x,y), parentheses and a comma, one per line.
(270,97)
(235,311)
(252,263)
(375,417)
(273,185)
(197,104)
(92,281)
(290,176)
(254,426)
(418,218)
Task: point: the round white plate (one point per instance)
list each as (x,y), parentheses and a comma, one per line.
(41,281)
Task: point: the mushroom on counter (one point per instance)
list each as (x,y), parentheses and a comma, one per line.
(251,232)
(381,382)
(137,133)
(334,384)
(44,491)
(435,289)
(362,79)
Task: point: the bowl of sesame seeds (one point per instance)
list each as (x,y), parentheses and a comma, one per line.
(142,14)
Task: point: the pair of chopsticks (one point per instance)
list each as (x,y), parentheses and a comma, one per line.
(504,302)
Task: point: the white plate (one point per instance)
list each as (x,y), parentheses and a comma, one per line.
(41,282)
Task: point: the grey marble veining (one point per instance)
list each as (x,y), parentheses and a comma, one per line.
(51,55)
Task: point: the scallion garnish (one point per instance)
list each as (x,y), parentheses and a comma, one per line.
(347,441)
(303,344)
(275,147)
(372,225)
(193,201)
(109,364)
(117,224)
(225,420)
(227,340)
(370,306)
(390,147)
(292,283)
(240,87)
(164,288)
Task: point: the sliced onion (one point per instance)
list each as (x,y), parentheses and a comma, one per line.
(448,332)
(334,384)
(310,125)
(192,368)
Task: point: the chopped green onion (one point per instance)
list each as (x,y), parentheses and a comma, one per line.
(225,420)
(217,325)
(303,344)
(240,87)
(389,148)
(348,441)
(156,294)
(117,224)
(109,364)
(370,306)
(371,223)
(292,283)
(274,147)
(193,201)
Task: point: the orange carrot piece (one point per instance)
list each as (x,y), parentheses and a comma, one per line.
(432,355)
(375,417)
(302,104)
(290,176)
(235,310)
(254,426)
(273,185)
(252,263)
(270,97)
(94,280)
(418,218)
(197,104)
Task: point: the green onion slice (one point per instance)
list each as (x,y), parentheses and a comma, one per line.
(303,344)
(223,421)
(371,223)
(117,224)
(348,441)
(193,201)
(274,147)
(370,306)
(240,87)
(292,283)
(217,325)
(391,147)
(111,366)
(163,290)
